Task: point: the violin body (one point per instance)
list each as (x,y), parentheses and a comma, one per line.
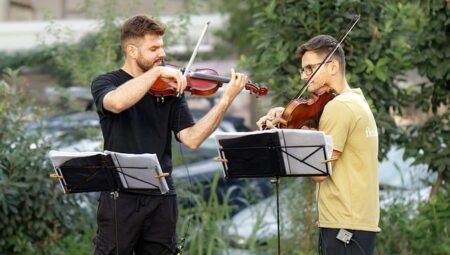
(195,86)
(301,112)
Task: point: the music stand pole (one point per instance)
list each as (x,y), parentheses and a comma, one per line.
(115,195)
(276,181)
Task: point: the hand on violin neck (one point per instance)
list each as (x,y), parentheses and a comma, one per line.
(235,86)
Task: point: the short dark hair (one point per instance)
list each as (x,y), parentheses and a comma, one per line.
(323,45)
(138,26)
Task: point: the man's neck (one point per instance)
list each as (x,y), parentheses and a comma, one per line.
(340,85)
(132,69)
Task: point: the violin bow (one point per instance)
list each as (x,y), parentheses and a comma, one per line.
(194,53)
(180,247)
(353,22)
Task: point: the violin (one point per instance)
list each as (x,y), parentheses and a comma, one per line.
(202,82)
(306,112)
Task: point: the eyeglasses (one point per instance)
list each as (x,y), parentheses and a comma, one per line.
(309,69)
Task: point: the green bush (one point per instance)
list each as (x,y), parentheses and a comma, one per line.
(34,214)
(411,227)
(200,221)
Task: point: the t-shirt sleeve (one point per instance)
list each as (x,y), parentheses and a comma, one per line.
(182,117)
(336,121)
(99,88)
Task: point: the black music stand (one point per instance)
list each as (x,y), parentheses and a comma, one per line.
(275,153)
(109,171)
(80,172)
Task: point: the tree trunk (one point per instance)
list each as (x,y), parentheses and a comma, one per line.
(437,185)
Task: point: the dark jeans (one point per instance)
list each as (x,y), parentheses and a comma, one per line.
(145,224)
(363,242)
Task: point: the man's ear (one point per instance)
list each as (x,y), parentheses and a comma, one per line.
(132,51)
(334,67)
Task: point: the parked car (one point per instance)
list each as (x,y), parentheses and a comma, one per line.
(72,131)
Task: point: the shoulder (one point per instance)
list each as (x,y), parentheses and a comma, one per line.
(338,105)
(109,77)
(347,101)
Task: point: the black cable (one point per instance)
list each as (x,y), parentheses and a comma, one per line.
(180,247)
(190,199)
(359,246)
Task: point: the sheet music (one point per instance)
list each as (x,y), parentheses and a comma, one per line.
(302,152)
(144,167)
(303,155)
(136,171)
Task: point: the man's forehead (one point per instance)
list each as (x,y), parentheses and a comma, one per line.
(310,57)
(149,40)
(153,39)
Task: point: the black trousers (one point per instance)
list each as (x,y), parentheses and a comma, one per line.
(145,225)
(362,243)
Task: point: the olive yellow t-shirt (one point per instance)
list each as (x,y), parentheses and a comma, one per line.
(349,197)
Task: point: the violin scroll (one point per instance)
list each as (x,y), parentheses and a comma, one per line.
(255,88)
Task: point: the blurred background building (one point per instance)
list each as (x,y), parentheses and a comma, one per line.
(25,24)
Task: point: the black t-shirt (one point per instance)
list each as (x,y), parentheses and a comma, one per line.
(146,127)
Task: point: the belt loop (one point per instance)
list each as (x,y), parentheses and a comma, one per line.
(140,201)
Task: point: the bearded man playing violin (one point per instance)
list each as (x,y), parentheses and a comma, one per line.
(134,121)
(348,200)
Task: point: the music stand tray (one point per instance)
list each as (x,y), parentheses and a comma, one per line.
(107,171)
(275,153)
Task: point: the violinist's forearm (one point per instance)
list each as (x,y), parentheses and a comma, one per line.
(129,93)
(194,136)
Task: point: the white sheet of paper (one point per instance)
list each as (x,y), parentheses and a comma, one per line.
(133,168)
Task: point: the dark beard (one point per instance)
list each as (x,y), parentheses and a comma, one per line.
(144,65)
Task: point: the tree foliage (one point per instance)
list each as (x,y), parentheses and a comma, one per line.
(34,212)
(391,38)
(429,142)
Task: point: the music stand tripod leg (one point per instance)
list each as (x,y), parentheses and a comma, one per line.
(276,181)
(115,195)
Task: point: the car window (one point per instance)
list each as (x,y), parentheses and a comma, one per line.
(396,172)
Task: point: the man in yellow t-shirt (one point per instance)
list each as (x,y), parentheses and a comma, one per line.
(348,200)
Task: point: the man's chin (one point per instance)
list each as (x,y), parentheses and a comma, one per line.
(320,89)
(313,88)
